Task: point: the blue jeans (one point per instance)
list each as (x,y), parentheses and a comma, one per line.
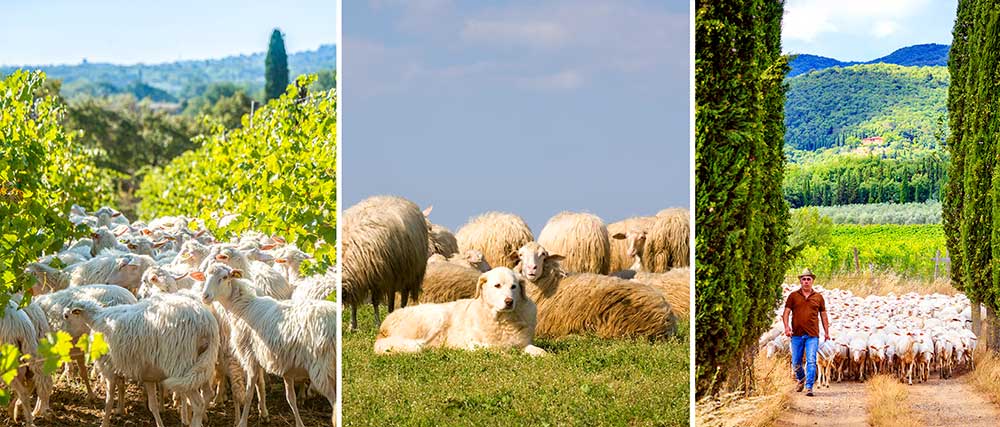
(809,345)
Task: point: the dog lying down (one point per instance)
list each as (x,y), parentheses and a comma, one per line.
(499,316)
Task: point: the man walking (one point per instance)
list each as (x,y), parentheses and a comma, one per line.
(806,307)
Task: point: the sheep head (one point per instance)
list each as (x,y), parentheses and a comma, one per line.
(530,259)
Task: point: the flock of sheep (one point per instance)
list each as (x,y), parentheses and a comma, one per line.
(182,313)
(627,279)
(908,336)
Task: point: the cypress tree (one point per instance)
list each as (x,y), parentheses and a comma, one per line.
(275,67)
(741,242)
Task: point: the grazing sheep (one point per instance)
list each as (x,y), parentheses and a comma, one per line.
(447,281)
(54,303)
(127,274)
(289,260)
(499,315)
(675,286)
(158,279)
(442,241)
(16,328)
(384,252)
(628,238)
(191,255)
(581,238)
(667,243)
(171,339)
(294,340)
(591,303)
(103,239)
(495,235)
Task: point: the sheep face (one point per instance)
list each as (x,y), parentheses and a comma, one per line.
(192,249)
(477,260)
(501,289)
(219,282)
(531,258)
(634,239)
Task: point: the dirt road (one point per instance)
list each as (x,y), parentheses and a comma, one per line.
(952,402)
(843,404)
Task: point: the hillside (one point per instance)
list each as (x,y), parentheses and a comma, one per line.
(916,55)
(180,79)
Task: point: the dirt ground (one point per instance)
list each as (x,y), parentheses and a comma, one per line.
(952,402)
(843,404)
(71,409)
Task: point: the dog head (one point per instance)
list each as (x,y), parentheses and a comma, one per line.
(501,289)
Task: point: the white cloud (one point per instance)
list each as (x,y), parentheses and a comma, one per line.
(806,19)
(885,28)
(535,34)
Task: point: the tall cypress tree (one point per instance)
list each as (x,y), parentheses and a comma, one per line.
(742,218)
(275,67)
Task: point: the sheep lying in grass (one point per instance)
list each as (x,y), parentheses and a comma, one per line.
(495,235)
(54,304)
(294,340)
(446,281)
(667,244)
(384,241)
(628,238)
(581,238)
(16,328)
(675,286)
(470,258)
(499,316)
(591,303)
(172,340)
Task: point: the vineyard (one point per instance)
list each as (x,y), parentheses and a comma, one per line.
(882,213)
(904,249)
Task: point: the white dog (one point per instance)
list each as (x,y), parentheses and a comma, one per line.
(500,316)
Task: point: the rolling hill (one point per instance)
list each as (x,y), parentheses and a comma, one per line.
(180,79)
(916,55)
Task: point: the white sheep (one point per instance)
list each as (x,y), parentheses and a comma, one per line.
(17,329)
(290,339)
(264,279)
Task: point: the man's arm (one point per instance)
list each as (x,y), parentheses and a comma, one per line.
(826,324)
(784,321)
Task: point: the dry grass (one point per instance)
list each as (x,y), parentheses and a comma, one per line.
(882,283)
(986,376)
(775,386)
(887,403)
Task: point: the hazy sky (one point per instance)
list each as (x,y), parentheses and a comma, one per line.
(862,30)
(531,107)
(131,31)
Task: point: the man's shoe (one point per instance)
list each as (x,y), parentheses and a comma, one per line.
(809,392)
(799,385)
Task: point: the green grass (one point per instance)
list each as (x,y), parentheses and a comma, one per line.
(582,381)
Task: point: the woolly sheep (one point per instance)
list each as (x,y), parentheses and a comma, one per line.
(191,255)
(264,279)
(581,238)
(16,328)
(172,339)
(470,258)
(290,339)
(591,303)
(384,252)
(628,238)
(158,279)
(288,260)
(54,303)
(319,286)
(667,243)
(447,281)
(495,235)
(675,286)
(103,238)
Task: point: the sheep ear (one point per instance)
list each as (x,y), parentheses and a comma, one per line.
(267,247)
(618,236)
(159,244)
(116,214)
(121,229)
(237,274)
(197,275)
(147,231)
(278,239)
(556,257)
(280,260)
(427,212)
(479,285)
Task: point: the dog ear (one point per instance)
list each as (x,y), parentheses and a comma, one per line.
(479,285)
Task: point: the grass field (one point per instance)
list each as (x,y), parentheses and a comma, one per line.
(904,249)
(583,381)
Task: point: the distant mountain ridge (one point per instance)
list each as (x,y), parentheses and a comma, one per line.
(179,79)
(930,54)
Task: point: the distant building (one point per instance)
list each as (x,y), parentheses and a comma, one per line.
(873,140)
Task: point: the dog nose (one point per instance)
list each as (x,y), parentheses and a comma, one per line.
(509,301)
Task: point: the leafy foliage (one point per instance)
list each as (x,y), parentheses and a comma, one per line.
(275,67)
(741,215)
(881,213)
(181,79)
(277,175)
(849,179)
(904,249)
(808,227)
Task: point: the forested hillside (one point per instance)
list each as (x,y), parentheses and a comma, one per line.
(916,55)
(176,80)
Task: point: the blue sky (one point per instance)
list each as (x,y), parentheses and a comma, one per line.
(862,30)
(531,107)
(128,32)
